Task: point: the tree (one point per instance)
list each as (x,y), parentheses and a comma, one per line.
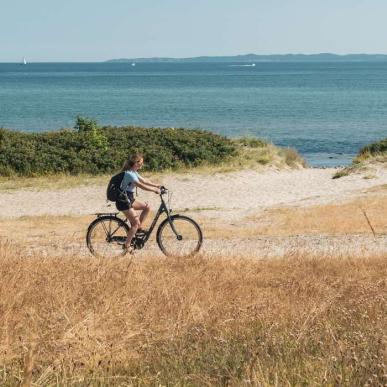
(92,132)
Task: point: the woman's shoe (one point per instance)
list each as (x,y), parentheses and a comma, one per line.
(141,231)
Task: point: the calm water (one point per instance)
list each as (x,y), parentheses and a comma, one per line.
(327,111)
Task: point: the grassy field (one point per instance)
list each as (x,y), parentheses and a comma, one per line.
(302,319)
(292,321)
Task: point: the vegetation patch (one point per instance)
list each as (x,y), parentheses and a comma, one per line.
(369,158)
(253,153)
(94,150)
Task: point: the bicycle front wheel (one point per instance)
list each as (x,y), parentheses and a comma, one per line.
(179,237)
(106,237)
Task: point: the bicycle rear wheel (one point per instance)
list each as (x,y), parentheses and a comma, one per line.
(106,237)
(184,239)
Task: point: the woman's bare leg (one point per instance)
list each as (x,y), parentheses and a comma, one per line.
(144,208)
(134,223)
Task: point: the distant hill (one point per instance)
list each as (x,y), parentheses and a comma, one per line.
(324,57)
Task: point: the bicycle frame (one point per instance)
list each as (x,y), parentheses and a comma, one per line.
(162,209)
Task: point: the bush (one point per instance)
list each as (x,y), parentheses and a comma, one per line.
(84,124)
(89,148)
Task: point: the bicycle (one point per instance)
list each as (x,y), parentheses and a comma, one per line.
(177,235)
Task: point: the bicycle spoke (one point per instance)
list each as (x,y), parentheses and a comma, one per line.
(181,240)
(104,227)
(100,238)
(113,233)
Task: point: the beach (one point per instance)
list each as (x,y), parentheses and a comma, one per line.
(240,212)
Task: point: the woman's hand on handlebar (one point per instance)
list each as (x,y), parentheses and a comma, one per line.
(161,190)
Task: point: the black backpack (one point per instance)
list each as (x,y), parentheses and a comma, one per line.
(113,189)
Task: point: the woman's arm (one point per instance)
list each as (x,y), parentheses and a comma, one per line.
(148,187)
(148,182)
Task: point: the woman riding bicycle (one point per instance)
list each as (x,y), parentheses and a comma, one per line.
(126,201)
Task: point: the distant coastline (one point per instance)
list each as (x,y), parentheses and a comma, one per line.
(248,58)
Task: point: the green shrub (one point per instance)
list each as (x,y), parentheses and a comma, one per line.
(91,149)
(85,124)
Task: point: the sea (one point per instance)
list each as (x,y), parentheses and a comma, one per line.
(327,111)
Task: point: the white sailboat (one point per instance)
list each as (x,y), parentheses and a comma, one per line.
(24,61)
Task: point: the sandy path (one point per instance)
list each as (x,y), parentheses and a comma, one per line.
(226,196)
(219,199)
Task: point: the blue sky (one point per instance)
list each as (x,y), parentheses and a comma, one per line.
(94,30)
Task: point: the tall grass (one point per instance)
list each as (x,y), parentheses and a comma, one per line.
(369,156)
(294,321)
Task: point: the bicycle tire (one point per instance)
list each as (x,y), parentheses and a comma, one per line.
(106,237)
(190,232)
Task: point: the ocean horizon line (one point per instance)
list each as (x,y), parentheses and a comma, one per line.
(292,57)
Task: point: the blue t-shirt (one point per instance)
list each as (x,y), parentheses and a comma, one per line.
(129,181)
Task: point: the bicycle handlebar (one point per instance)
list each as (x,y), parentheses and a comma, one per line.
(163,190)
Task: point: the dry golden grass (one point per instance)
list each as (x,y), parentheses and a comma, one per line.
(50,182)
(366,164)
(46,235)
(332,219)
(294,321)
(259,158)
(299,320)
(327,219)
